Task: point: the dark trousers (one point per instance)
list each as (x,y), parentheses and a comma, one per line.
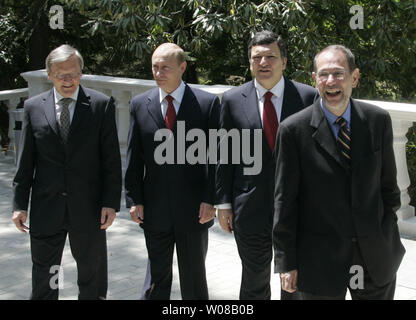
(256,253)
(191,251)
(369,290)
(90,253)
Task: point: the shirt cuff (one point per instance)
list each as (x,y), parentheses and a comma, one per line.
(223,206)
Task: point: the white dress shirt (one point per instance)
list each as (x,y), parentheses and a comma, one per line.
(177,96)
(58,104)
(277,98)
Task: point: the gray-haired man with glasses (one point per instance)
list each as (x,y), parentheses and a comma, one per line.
(69,169)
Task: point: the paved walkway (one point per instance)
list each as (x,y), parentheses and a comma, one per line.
(127,259)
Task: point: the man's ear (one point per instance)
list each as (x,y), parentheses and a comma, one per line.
(314,76)
(183,66)
(284,63)
(355,77)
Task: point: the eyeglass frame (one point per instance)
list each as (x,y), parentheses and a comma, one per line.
(338,74)
(65,76)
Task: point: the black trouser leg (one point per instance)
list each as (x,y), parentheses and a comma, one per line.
(46,257)
(191,249)
(255,251)
(160,247)
(89,251)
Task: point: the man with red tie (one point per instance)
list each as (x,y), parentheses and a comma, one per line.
(245,202)
(172,202)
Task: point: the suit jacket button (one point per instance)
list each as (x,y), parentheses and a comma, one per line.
(354,239)
(64,194)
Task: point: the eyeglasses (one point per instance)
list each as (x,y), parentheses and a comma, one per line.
(67,76)
(338,74)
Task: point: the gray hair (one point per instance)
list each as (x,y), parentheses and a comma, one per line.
(338,47)
(61,54)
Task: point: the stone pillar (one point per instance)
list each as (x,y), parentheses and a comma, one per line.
(122,101)
(406,213)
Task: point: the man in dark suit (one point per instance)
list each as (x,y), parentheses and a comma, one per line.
(336,193)
(173,200)
(70,163)
(245,202)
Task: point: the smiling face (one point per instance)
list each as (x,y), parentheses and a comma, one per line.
(65,76)
(167,69)
(266,64)
(334,80)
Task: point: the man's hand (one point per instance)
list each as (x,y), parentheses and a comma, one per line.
(19,218)
(289,281)
(225,217)
(137,213)
(107,217)
(206,213)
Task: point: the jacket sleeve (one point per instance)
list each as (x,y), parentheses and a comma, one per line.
(224,171)
(390,192)
(287,177)
(26,160)
(213,123)
(110,159)
(133,179)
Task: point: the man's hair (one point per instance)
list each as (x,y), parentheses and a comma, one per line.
(174,50)
(267,37)
(338,47)
(61,54)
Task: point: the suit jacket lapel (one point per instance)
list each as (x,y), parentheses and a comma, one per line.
(292,101)
(323,134)
(360,134)
(82,108)
(154,108)
(50,114)
(186,108)
(250,108)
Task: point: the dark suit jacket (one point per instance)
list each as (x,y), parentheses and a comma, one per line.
(251,196)
(83,176)
(320,205)
(171,193)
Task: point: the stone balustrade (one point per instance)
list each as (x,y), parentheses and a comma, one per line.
(123,89)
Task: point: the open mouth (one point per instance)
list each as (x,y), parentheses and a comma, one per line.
(333,92)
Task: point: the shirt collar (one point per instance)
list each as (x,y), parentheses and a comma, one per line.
(58,96)
(177,94)
(332,117)
(277,90)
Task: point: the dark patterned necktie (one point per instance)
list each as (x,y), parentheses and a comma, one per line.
(170,113)
(344,139)
(270,122)
(64,119)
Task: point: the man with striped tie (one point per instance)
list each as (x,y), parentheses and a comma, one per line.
(336,193)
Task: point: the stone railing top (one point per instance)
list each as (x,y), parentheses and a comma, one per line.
(119,84)
(400,111)
(10,94)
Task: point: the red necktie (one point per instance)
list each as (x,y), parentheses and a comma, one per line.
(170,113)
(270,122)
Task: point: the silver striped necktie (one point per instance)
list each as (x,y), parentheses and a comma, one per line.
(64,119)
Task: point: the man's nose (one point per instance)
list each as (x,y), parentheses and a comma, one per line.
(263,60)
(331,78)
